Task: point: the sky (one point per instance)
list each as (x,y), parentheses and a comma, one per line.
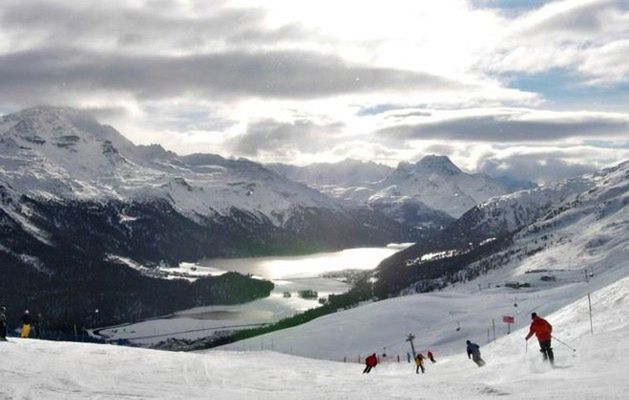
(536,90)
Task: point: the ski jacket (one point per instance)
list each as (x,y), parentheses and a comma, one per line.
(472,348)
(430,356)
(419,360)
(371,361)
(3,317)
(27,319)
(540,328)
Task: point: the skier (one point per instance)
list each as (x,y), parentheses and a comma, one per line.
(370,362)
(419,362)
(473,352)
(3,323)
(431,357)
(27,320)
(542,329)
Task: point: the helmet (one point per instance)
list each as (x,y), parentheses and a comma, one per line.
(533,315)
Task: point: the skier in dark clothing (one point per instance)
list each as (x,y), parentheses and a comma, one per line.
(3,323)
(431,357)
(370,362)
(542,329)
(419,362)
(473,352)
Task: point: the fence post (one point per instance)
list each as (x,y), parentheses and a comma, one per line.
(590,305)
(493,327)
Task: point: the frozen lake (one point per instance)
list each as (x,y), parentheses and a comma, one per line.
(290,274)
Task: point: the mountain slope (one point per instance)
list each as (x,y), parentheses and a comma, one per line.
(514,226)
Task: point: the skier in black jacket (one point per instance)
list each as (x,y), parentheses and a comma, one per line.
(473,352)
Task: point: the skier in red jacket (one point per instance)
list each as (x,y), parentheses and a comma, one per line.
(542,329)
(370,362)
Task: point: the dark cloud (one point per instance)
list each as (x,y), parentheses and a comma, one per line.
(67,23)
(33,76)
(282,138)
(259,36)
(539,168)
(512,128)
(106,112)
(409,114)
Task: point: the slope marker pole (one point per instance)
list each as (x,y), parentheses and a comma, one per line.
(590,304)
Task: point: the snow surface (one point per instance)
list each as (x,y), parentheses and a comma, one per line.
(34,369)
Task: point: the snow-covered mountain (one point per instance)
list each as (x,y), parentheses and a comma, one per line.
(61,154)
(427,195)
(439,184)
(578,212)
(67,154)
(75,193)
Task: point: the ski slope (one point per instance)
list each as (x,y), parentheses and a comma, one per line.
(34,369)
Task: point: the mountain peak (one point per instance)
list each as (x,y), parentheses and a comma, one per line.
(439,164)
(52,123)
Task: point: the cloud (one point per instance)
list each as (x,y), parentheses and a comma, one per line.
(119,24)
(587,37)
(32,75)
(539,168)
(515,126)
(265,79)
(284,138)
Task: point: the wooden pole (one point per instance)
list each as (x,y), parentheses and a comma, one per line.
(410,339)
(590,304)
(493,327)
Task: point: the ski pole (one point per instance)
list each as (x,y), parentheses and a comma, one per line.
(564,343)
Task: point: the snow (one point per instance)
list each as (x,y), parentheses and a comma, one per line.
(597,370)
